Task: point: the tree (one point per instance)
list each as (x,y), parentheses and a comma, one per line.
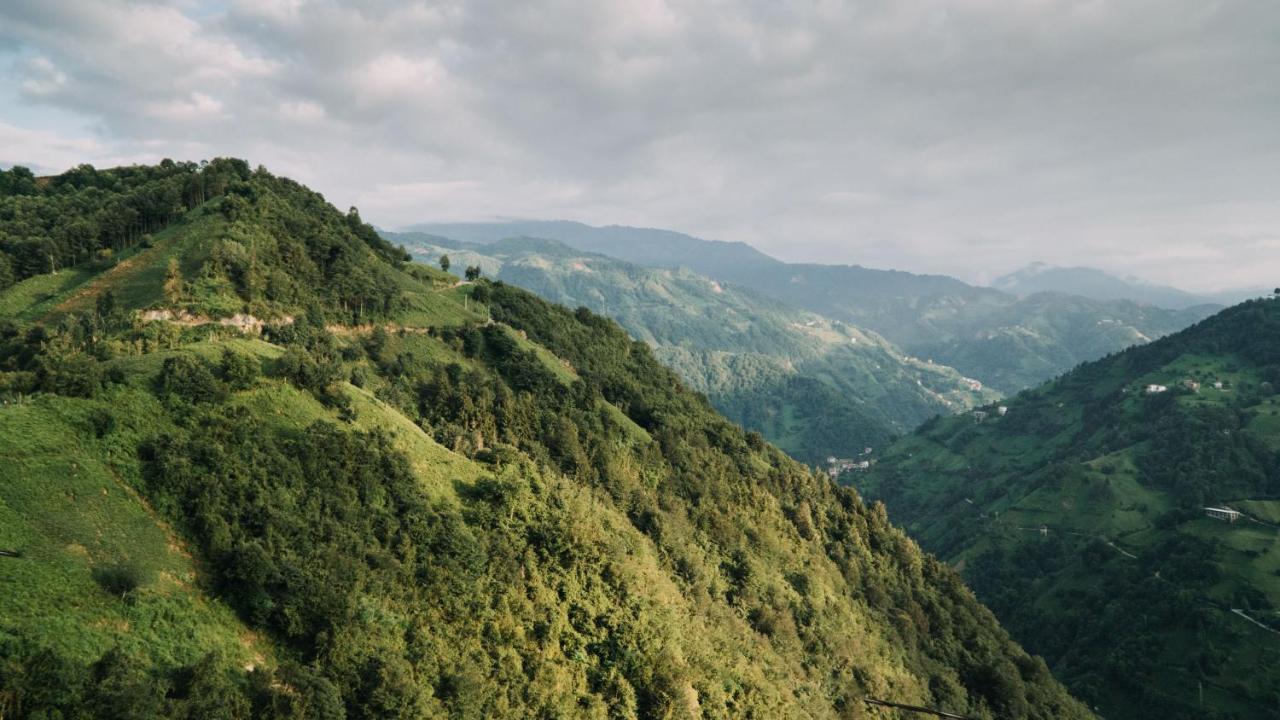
(473,273)
(239,370)
(444,263)
(174,286)
(106,304)
(6,271)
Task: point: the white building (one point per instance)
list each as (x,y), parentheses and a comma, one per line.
(1222,513)
(1003,410)
(1153,389)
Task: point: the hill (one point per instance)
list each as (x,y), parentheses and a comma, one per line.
(815,387)
(1078,515)
(1100,285)
(1013,344)
(1008,342)
(261,466)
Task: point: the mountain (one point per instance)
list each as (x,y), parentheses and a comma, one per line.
(815,387)
(1098,285)
(1007,342)
(1078,514)
(1016,343)
(259,465)
(642,246)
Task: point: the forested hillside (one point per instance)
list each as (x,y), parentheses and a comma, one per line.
(1007,342)
(814,387)
(1079,516)
(258,465)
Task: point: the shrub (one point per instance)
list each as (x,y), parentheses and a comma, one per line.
(190,378)
(239,370)
(119,578)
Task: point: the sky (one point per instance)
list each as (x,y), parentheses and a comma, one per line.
(967,137)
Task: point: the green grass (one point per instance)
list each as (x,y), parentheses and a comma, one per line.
(34,297)
(67,507)
(1265,510)
(448,307)
(136,280)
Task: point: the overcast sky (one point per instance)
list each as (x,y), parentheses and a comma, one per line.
(966,137)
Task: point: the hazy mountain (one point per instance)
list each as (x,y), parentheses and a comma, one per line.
(1101,285)
(1078,516)
(259,465)
(1005,341)
(814,386)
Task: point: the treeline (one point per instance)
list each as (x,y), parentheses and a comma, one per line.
(50,223)
(283,246)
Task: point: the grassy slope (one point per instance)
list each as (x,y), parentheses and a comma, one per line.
(68,506)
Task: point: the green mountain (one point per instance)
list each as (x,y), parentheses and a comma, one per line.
(1079,516)
(1016,343)
(257,465)
(814,387)
(1008,342)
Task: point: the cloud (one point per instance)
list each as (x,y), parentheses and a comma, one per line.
(963,137)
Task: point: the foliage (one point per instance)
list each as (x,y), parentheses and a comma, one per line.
(1128,592)
(513,515)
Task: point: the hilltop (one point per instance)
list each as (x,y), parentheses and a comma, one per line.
(1078,514)
(264,466)
(813,386)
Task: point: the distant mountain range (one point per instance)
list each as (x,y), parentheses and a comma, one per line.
(1101,285)
(1006,341)
(815,386)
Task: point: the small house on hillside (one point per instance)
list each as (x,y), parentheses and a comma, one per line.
(979,415)
(1154,389)
(1222,513)
(1003,410)
(1191,385)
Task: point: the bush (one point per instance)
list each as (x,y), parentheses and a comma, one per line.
(119,578)
(239,370)
(190,378)
(103,422)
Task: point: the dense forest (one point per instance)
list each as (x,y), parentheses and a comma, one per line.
(1079,517)
(264,467)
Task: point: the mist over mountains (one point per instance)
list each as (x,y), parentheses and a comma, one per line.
(1100,285)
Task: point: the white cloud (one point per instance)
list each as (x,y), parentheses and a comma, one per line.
(965,137)
(196,106)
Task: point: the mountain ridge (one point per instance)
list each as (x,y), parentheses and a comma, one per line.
(1081,506)
(1006,342)
(817,387)
(402,495)
(1101,285)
